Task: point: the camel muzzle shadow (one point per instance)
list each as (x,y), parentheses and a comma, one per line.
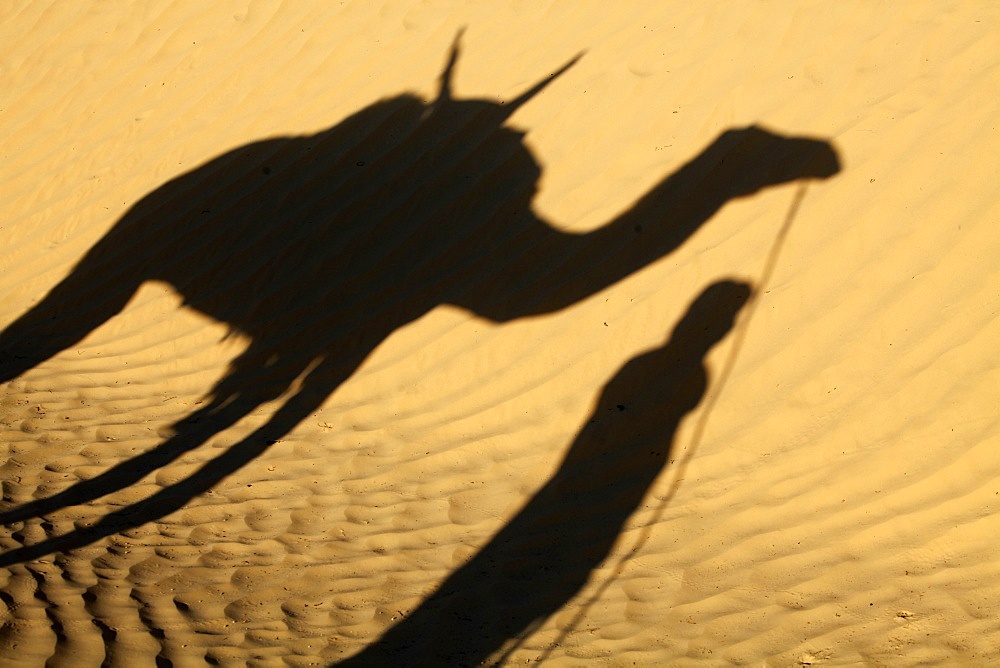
(318,247)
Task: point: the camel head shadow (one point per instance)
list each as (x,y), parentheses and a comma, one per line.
(317,247)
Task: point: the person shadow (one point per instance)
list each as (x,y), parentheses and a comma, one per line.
(543,556)
(316,248)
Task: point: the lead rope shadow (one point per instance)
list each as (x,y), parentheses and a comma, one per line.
(317,248)
(544,556)
(682,462)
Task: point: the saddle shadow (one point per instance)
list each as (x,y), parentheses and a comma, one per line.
(318,247)
(543,557)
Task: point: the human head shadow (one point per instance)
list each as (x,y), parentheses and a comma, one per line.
(316,248)
(543,557)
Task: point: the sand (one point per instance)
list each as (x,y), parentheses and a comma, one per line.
(643,334)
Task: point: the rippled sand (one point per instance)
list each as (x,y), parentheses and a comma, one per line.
(560,456)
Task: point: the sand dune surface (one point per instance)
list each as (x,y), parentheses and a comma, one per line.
(444,333)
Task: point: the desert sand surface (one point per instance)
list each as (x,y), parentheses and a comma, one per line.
(444,333)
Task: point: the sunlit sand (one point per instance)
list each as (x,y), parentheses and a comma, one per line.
(410,335)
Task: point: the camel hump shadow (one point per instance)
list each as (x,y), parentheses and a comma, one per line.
(317,247)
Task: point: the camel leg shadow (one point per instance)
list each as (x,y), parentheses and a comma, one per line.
(193,431)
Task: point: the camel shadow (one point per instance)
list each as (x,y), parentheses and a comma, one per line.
(318,247)
(543,557)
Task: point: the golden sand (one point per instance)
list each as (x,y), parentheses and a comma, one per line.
(653,333)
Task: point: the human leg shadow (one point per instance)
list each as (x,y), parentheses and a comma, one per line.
(545,554)
(316,248)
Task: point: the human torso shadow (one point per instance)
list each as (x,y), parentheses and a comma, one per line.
(317,248)
(543,557)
